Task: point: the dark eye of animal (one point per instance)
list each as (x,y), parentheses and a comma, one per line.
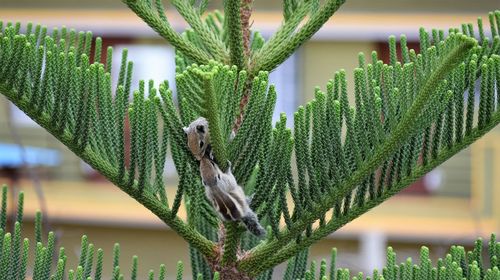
(200,128)
(201,144)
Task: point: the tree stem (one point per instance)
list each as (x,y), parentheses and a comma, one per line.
(245,13)
(232,12)
(231,243)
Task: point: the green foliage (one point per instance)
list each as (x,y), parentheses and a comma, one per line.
(372,145)
(409,116)
(14,256)
(290,36)
(98,137)
(156,19)
(224,40)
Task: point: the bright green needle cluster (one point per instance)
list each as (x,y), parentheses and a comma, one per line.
(221,38)
(74,100)
(402,111)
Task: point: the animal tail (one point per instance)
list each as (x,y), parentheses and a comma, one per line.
(252,224)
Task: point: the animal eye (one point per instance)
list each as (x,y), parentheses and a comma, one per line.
(200,128)
(201,144)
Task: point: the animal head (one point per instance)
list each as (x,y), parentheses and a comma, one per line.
(198,137)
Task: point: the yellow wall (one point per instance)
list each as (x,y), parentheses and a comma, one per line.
(320,60)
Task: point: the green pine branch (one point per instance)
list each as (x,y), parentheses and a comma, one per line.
(407,127)
(269,60)
(158,22)
(214,45)
(95,138)
(232,10)
(294,248)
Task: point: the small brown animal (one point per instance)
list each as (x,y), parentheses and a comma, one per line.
(198,137)
(226,195)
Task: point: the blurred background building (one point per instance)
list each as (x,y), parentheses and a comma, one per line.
(453,204)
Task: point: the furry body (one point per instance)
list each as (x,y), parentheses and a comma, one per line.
(221,188)
(227,196)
